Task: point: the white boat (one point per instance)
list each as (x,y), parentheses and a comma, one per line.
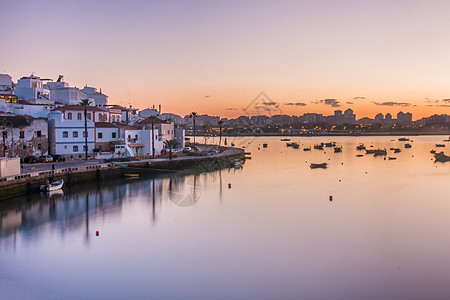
(55,185)
(237,163)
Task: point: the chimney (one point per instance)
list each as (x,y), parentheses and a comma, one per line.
(160,109)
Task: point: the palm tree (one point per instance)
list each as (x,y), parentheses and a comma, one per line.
(85,103)
(193,115)
(153,119)
(220,122)
(170,144)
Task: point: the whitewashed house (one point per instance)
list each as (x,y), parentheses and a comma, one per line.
(67,136)
(97,97)
(31,88)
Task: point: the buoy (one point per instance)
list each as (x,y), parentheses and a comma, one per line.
(339,180)
(229,185)
(97,233)
(331,198)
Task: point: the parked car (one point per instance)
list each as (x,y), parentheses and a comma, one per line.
(59,157)
(30,159)
(186,149)
(45,158)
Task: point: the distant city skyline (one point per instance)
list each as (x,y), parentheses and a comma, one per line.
(216,57)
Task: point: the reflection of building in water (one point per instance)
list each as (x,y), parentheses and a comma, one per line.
(72,209)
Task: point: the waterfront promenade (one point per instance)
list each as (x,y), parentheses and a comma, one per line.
(72,172)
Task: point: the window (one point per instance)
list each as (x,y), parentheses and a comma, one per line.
(65,147)
(75,148)
(100,147)
(78,116)
(136,137)
(39,146)
(100,117)
(75,134)
(21,134)
(84,148)
(114,135)
(89,116)
(84,134)
(69,116)
(24,147)
(38,133)
(65,134)
(100,135)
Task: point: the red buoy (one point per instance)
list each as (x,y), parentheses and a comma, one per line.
(97,233)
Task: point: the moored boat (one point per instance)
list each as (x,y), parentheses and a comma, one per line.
(440,145)
(441,157)
(360,147)
(338,149)
(55,185)
(403,139)
(316,166)
(307,148)
(408,145)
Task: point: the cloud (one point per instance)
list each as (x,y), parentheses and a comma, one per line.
(348,102)
(439,105)
(265,108)
(446,100)
(230,108)
(390,103)
(295,103)
(270,103)
(359,98)
(331,102)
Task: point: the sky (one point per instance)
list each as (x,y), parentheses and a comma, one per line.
(216,57)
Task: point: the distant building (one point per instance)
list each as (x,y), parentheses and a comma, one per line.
(98,98)
(349,116)
(31,88)
(379,118)
(76,112)
(6,85)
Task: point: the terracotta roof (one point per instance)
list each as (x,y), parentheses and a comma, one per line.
(80,107)
(104,125)
(127,127)
(148,121)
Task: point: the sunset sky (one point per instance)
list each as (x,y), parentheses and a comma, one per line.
(215,57)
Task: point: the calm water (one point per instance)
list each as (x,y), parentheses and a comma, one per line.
(273,235)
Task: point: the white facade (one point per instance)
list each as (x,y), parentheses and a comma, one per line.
(67,136)
(68,95)
(140,140)
(32,87)
(180,137)
(145,113)
(6,86)
(26,108)
(98,97)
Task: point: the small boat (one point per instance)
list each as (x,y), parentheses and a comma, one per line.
(396,150)
(265,145)
(338,149)
(392,158)
(307,148)
(237,163)
(408,145)
(403,139)
(232,144)
(285,140)
(131,175)
(295,146)
(359,155)
(360,147)
(376,151)
(432,151)
(330,144)
(319,146)
(441,157)
(440,145)
(55,185)
(316,166)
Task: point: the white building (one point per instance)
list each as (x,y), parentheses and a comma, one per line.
(31,88)
(138,142)
(67,136)
(145,113)
(106,136)
(76,112)
(97,97)
(24,135)
(6,85)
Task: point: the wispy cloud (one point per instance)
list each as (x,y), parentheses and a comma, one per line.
(446,100)
(348,102)
(390,103)
(438,105)
(230,108)
(359,98)
(295,103)
(270,103)
(331,102)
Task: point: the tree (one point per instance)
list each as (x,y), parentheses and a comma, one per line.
(153,119)
(85,103)
(170,144)
(193,115)
(220,122)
